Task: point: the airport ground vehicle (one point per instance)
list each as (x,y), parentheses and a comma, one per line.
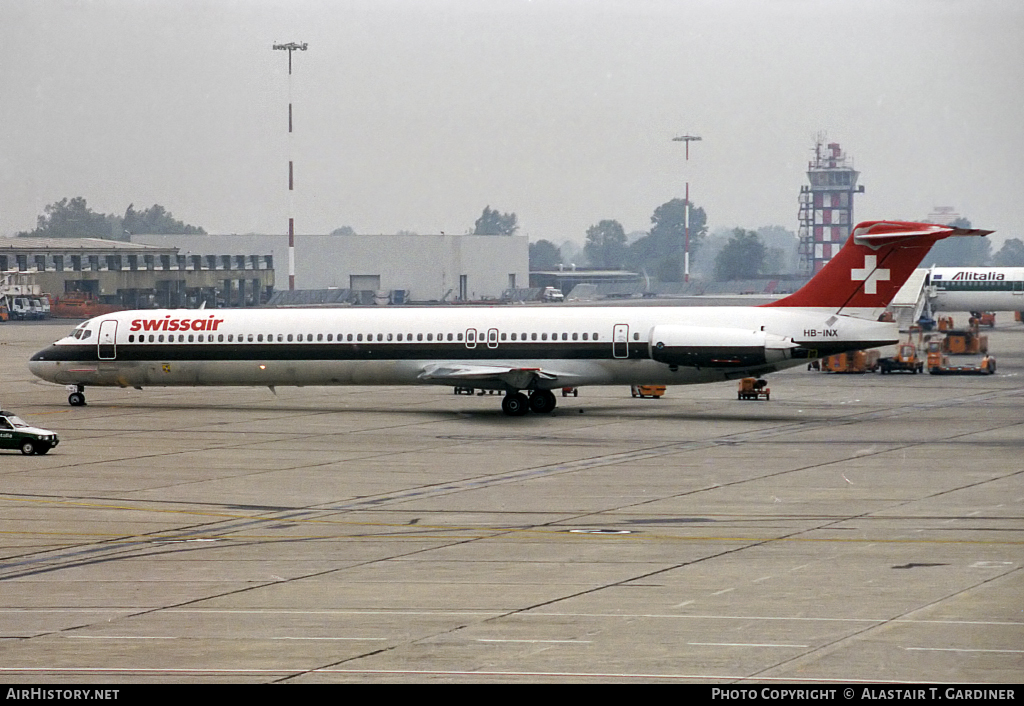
(753,389)
(552,294)
(906,360)
(525,352)
(985,318)
(964,342)
(652,391)
(17,434)
(851,362)
(939,364)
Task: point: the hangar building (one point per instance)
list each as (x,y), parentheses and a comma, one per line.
(423,267)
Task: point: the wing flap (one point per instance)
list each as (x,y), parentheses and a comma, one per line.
(493,376)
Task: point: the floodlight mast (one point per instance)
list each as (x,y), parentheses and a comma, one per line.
(687,139)
(290,47)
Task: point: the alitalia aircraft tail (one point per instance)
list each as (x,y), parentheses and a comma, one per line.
(871,267)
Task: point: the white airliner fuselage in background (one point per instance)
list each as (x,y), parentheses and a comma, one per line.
(512,349)
(975,288)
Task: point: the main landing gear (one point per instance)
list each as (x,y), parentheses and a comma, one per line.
(516,404)
(77,396)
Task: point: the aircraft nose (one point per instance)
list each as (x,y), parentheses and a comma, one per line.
(42,365)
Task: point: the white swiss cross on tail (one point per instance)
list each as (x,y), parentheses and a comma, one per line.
(870,275)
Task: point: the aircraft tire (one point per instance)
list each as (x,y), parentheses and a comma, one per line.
(76,399)
(543,402)
(515,404)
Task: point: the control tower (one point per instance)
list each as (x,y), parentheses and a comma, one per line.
(826,206)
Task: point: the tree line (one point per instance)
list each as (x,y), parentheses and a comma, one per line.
(72,218)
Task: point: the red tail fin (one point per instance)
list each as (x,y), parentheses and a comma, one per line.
(871,267)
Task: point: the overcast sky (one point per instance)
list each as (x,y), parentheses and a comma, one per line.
(415,114)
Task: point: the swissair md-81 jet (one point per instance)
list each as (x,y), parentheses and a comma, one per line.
(525,352)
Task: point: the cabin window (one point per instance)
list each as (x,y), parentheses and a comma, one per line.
(503,336)
(220,338)
(349,337)
(389,337)
(595,336)
(636,336)
(160,338)
(408,337)
(586,336)
(543,337)
(320,337)
(190,338)
(459,336)
(359,337)
(449,337)
(250,338)
(419,336)
(380,336)
(575,337)
(259,338)
(430,337)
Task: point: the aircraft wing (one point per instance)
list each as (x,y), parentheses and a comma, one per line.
(491,376)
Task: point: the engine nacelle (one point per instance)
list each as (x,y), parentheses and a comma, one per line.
(714,347)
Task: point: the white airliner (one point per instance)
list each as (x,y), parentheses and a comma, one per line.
(975,288)
(511,349)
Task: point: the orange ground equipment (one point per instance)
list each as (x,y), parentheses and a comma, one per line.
(754,389)
(906,360)
(854,362)
(652,391)
(938,363)
(79,305)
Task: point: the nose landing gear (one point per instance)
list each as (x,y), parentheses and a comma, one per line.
(77,396)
